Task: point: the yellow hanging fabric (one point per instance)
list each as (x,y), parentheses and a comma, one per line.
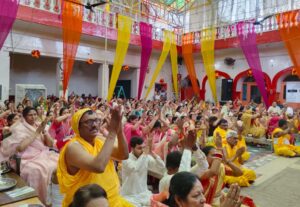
(162,59)
(124,30)
(208,37)
(173,53)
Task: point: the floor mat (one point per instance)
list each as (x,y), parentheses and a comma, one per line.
(281,190)
(259,157)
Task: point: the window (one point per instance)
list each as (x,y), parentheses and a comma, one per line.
(244,92)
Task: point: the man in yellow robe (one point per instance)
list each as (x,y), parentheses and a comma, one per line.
(86,159)
(235,154)
(221,131)
(281,141)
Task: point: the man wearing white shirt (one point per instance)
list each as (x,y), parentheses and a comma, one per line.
(135,172)
(179,162)
(274,108)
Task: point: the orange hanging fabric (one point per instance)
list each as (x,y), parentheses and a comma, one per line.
(289,29)
(72,27)
(187,53)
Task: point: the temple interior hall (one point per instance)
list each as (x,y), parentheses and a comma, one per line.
(163,97)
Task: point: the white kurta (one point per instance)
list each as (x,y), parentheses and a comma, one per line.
(185,165)
(134,178)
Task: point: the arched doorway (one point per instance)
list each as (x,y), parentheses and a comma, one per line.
(245,87)
(219,75)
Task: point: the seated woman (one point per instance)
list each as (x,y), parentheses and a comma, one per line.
(89,196)
(281,140)
(11,120)
(186,190)
(32,143)
(60,128)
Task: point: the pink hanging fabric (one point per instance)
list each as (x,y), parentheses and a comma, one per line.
(8,14)
(146,42)
(247,37)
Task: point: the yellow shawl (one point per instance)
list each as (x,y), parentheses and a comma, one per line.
(69,184)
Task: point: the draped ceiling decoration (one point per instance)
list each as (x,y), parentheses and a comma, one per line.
(8,13)
(164,54)
(187,53)
(247,37)
(72,27)
(289,28)
(124,32)
(146,44)
(207,40)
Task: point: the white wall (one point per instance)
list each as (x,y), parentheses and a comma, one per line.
(28,70)
(84,79)
(4,75)
(50,45)
(25,69)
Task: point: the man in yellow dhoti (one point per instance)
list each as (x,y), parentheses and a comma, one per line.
(234,154)
(251,125)
(221,131)
(281,140)
(86,159)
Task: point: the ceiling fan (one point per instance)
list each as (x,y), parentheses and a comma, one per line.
(259,21)
(88,5)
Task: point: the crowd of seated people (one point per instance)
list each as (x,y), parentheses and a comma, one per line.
(140,151)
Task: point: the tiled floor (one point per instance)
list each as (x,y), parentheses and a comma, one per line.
(278,182)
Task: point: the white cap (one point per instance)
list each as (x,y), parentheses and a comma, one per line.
(231,133)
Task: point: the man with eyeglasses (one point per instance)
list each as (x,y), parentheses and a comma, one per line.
(86,159)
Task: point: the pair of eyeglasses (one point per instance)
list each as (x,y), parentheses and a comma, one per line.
(90,122)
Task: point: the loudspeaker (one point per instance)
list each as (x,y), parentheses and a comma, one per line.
(226,93)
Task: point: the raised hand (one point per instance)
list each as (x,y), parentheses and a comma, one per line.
(232,198)
(240,151)
(115,123)
(218,141)
(190,140)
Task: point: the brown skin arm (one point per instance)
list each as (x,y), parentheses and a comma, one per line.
(213,170)
(236,171)
(120,152)
(284,132)
(78,158)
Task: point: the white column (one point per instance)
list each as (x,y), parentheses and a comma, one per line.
(4,77)
(103,80)
(135,83)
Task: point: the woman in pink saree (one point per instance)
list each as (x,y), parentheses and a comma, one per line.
(32,143)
